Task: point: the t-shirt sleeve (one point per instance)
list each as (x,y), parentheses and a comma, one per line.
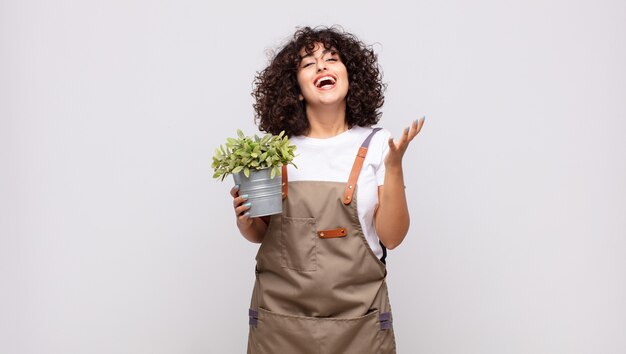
(383,148)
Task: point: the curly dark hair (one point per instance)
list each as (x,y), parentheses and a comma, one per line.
(276,91)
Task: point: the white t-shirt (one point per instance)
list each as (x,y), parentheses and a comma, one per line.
(331,159)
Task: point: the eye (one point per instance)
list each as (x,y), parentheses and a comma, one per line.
(331,59)
(307,64)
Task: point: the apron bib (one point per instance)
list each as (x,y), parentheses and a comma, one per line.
(319,287)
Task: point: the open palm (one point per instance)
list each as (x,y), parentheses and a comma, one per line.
(397,148)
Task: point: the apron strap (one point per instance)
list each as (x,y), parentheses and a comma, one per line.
(354,173)
(356,168)
(284,177)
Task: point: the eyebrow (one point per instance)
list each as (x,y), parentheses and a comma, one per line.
(324,52)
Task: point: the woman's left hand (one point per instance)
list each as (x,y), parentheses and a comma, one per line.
(397,148)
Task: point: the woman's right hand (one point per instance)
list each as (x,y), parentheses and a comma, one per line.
(241,208)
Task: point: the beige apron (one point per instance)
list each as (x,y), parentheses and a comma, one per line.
(319,287)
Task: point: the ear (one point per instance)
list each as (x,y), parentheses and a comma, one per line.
(300,97)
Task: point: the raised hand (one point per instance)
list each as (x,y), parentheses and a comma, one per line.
(397,148)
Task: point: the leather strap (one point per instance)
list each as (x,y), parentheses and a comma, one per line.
(253,317)
(348,193)
(338,232)
(386,322)
(284,177)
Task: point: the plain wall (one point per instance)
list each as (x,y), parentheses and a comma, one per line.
(115,238)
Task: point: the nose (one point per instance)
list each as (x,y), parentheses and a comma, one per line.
(321,65)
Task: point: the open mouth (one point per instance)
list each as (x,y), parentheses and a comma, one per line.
(325,82)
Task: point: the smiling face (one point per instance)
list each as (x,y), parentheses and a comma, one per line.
(322,76)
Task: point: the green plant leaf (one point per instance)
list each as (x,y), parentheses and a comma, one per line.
(245,153)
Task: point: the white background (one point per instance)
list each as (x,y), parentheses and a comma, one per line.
(115,238)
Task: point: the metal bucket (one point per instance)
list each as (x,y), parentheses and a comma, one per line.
(264,193)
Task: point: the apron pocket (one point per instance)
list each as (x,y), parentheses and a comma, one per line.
(298,244)
(277,334)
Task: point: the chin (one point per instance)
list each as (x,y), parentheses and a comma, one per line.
(332,100)
(331,103)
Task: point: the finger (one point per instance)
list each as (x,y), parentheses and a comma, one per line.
(414,130)
(420,123)
(234,191)
(392,145)
(240,210)
(240,199)
(405,135)
(416,126)
(245,218)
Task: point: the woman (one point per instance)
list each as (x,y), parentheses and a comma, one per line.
(320,275)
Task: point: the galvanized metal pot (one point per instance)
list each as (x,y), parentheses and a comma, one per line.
(264,193)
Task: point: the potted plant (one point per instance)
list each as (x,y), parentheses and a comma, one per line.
(255,164)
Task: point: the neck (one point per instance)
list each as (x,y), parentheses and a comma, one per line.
(326,122)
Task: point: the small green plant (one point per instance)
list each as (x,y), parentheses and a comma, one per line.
(246,153)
